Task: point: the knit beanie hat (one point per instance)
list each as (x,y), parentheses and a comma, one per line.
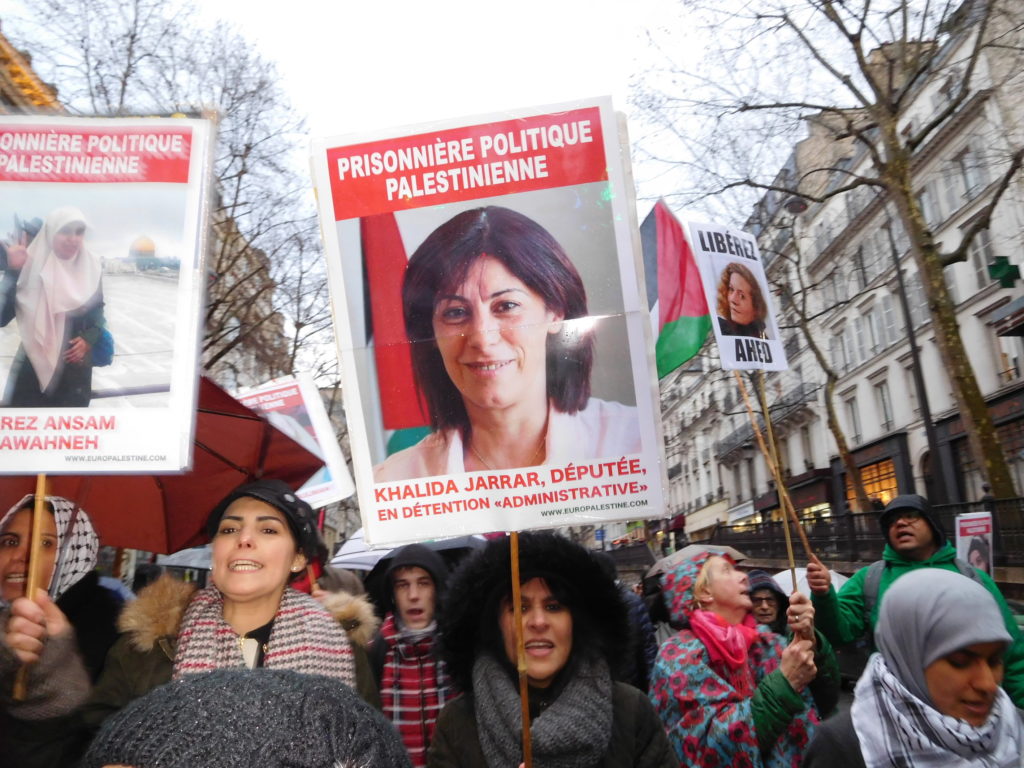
(237,718)
(758,579)
(917,503)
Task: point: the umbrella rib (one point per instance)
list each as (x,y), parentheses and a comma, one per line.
(223,458)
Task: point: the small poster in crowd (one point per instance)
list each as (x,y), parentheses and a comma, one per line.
(738,297)
(102,229)
(494,340)
(293,404)
(974,540)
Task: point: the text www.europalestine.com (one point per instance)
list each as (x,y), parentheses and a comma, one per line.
(595,508)
(113,457)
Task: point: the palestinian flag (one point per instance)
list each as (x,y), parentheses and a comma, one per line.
(675,295)
(384,260)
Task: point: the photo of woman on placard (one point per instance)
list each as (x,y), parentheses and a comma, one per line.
(979,554)
(502,351)
(742,309)
(53,287)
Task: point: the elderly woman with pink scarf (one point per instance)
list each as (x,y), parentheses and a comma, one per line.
(730,693)
(53,289)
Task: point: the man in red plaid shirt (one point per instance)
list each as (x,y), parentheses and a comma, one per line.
(412,680)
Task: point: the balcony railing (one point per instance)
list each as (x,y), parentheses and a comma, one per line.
(857,537)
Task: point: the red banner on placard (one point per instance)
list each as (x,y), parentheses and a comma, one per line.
(49,153)
(498,158)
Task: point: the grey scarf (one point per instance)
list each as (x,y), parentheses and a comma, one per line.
(573,732)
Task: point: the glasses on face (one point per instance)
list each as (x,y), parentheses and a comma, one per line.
(910,515)
(765,600)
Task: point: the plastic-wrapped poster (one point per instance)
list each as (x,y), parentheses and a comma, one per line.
(102,229)
(293,405)
(739,298)
(974,540)
(495,342)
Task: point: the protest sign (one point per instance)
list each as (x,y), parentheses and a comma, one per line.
(974,540)
(102,231)
(293,405)
(737,294)
(495,345)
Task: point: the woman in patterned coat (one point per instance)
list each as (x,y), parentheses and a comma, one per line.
(728,694)
(263,535)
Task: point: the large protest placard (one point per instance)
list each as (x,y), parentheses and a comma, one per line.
(293,405)
(737,294)
(102,226)
(974,540)
(495,345)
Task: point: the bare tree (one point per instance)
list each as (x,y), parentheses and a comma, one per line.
(797,291)
(267,299)
(852,71)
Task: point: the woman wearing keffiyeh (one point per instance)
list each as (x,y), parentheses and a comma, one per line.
(63,635)
(931,696)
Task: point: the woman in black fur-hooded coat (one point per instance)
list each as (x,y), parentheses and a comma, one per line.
(576,632)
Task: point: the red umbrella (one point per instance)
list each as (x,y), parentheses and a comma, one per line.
(166,513)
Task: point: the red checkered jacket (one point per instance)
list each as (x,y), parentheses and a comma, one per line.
(413,684)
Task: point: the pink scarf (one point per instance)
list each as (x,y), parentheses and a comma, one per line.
(727,643)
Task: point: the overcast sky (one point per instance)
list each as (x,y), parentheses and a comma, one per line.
(354,67)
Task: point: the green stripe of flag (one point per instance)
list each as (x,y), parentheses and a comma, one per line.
(679,341)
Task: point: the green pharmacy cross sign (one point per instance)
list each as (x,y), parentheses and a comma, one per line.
(1002,270)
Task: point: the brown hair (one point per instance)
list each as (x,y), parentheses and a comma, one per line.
(529,252)
(736,268)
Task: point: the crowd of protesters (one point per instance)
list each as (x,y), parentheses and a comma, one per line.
(267,666)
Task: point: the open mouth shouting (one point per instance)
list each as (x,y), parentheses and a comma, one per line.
(243,566)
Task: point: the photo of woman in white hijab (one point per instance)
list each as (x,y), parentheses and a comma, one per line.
(53,288)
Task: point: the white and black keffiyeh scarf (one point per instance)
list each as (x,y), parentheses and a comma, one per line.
(77,543)
(898,730)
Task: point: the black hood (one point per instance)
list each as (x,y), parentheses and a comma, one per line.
(469,616)
(917,503)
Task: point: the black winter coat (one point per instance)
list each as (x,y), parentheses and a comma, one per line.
(638,739)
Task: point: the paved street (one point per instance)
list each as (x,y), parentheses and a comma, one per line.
(139,311)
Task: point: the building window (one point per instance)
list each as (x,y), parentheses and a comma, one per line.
(949,275)
(805,443)
(911,386)
(838,353)
(890,320)
(929,202)
(860,273)
(916,299)
(852,420)
(970,167)
(1010,350)
(879,481)
(1011,438)
(884,402)
(980,254)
